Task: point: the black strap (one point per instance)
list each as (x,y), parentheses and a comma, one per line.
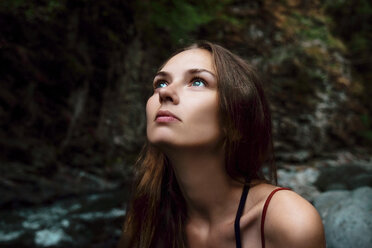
(243,198)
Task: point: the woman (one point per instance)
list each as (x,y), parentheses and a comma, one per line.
(209,135)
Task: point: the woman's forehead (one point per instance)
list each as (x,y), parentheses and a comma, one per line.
(190,59)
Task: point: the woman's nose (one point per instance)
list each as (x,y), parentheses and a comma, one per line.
(169,94)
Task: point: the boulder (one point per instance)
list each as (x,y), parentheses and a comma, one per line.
(348,177)
(300,179)
(346,217)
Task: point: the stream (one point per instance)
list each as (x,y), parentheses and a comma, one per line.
(93,220)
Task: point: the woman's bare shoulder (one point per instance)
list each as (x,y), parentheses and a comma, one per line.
(291,221)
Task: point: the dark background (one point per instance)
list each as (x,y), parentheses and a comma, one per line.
(75,76)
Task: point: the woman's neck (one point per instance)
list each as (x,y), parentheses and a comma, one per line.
(208,191)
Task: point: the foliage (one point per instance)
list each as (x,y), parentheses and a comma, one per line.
(351,21)
(366,134)
(55,72)
(175,20)
(314,28)
(308,52)
(34,10)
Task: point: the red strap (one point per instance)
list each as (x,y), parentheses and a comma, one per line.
(264,214)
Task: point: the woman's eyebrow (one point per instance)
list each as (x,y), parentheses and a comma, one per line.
(162,73)
(196,71)
(191,71)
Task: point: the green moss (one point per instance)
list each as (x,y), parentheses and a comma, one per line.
(366,134)
(179,18)
(318,54)
(359,42)
(315,27)
(366,120)
(40,10)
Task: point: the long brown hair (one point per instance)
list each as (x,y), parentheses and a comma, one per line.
(157,211)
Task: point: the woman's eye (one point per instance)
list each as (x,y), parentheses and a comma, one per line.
(198,82)
(160,84)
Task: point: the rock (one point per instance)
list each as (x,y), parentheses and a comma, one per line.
(22,189)
(344,177)
(300,179)
(49,237)
(362,180)
(336,186)
(325,201)
(296,157)
(86,221)
(347,217)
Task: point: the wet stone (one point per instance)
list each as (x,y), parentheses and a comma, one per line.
(346,217)
(77,222)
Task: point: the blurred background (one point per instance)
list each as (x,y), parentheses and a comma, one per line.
(75,76)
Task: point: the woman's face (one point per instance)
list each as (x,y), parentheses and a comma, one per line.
(183,111)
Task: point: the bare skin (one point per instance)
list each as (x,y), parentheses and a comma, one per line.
(290,222)
(193,143)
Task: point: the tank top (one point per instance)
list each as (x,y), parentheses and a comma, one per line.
(239,213)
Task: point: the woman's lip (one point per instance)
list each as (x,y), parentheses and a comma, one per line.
(166,116)
(166,119)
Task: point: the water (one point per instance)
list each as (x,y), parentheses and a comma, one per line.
(89,221)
